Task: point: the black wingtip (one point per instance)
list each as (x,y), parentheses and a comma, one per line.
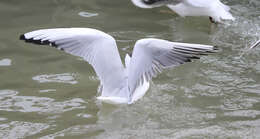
(188,60)
(39,42)
(22,37)
(195,57)
(215,48)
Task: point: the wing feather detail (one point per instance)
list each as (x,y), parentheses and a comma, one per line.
(151,56)
(96,47)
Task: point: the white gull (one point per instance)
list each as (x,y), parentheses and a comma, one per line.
(214,9)
(119,83)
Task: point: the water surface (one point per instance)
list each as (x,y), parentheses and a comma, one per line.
(45,93)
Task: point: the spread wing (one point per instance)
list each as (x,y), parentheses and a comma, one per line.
(96,47)
(150,56)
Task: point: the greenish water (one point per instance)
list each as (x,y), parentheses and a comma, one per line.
(45,93)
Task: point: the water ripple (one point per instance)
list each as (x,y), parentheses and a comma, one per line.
(58,78)
(243,113)
(75,131)
(10,101)
(18,129)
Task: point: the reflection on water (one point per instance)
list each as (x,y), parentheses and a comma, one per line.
(47,90)
(5,62)
(59,78)
(3,119)
(215,97)
(87,14)
(84,115)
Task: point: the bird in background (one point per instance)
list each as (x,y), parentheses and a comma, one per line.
(214,9)
(119,83)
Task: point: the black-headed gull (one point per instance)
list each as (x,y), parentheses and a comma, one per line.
(119,83)
(214,9)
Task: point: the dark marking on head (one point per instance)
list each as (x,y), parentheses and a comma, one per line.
(160,2)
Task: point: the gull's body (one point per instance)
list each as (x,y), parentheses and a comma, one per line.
(119,83)
(214,9)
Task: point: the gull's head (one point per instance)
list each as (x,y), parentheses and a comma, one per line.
(148,3)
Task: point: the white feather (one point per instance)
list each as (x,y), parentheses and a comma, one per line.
(212,8)
(119,84)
